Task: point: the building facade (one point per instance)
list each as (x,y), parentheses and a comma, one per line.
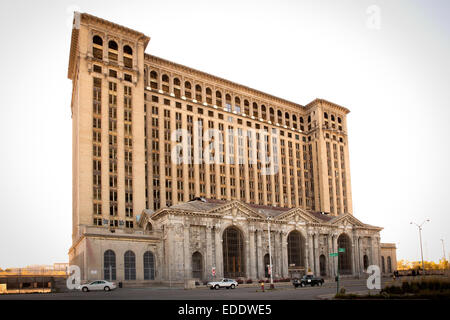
(158,145)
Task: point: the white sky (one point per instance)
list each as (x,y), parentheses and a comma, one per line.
(395,81)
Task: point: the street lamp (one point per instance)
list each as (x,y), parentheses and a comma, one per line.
(270,252)
(420,238)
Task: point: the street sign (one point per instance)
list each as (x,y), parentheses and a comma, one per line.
(333,254)
(341,250)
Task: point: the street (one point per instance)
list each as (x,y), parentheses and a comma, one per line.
(282,291)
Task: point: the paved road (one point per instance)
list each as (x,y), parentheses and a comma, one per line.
(283,291)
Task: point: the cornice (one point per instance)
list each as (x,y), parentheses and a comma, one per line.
(87,18)
(327,103)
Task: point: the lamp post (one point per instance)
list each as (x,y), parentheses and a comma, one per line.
(420,239)
(270,253)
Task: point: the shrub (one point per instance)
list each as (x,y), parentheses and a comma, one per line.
(342,290)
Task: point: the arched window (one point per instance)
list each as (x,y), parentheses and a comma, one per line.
(128,56)
(149,266)
(197,265)
(148,227)
(294,121)
(112,51)
(279,117)
(153,80)
(255,110)
(237,105)
(345,258)
(109,265)
(366,262)
(383,268)
(228,102)
(198,93)
(332,118)
(97,47)
(325,115)
(208,95)
(339,120)
(286,119)
(176,87)
(165,83)
(266,265)
(233,253)
(323,265)
(389,264)
(272,115)
(246,107)
(130,265)
(296,249)
(187,90)
(263,112)
(218,98)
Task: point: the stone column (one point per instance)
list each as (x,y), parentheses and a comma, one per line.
(353,257)
(187,257)
(278,254)
(335,249)
(316,254)
(219,253)
(209,257)
(311,251)
(330,269)
(259,260)
(252,249)
(247,257)
(284,256)
(373,250)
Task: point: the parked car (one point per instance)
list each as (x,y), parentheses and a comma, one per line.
(308,280)
(97,285)
(224,283)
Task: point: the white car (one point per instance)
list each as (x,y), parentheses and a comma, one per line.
(97,285)
(224,283)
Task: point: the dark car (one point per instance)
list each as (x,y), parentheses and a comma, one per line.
(308,280)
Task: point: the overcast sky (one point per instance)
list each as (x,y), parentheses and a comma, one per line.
(386,61)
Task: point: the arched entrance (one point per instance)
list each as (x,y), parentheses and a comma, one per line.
(323,265)
(366,262)
(296,249)
(197,265)
(345,258)
(109,265)
(233,253)
(129,265)
(149,266)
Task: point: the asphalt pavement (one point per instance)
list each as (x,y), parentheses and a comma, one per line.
(282,291)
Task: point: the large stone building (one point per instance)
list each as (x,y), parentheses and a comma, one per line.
(177,172)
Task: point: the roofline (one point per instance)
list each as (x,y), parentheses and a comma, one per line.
(326,102)
(230,83)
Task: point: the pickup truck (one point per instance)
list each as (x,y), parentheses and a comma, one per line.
(224,283)
(308,280)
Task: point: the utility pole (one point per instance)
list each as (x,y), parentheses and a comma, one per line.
(420,239)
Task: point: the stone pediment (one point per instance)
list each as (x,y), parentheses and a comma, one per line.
(237,208)
(347,219)
(298,214)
